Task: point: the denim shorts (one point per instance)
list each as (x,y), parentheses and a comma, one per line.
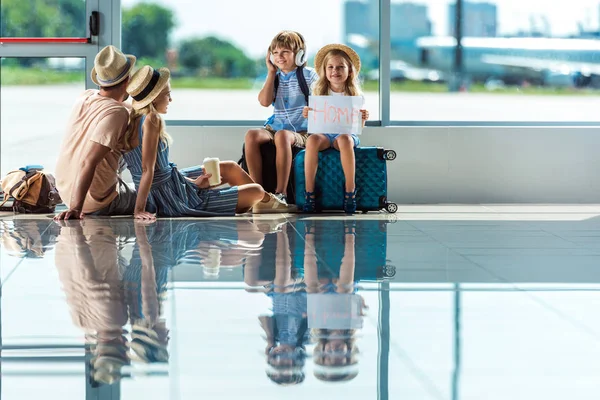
(333,136)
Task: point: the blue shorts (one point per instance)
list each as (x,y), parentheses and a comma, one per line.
(333,136)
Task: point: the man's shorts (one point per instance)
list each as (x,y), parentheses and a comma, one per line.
(299,137)
(123,204)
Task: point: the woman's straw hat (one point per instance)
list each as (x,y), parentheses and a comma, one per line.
(111,67)
(146,84)
(320,57)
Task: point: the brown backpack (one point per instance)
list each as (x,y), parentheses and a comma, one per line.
(33,191)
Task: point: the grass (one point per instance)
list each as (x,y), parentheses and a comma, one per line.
(38,76)
(10,75)
(211,83)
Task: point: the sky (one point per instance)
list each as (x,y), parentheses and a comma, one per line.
(251,24)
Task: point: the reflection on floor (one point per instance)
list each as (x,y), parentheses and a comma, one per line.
(440,302)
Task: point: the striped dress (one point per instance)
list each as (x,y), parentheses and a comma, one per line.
(171,194)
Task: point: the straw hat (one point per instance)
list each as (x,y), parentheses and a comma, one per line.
(320,57)
(146,84)
(111,67)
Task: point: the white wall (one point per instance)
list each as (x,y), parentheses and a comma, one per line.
(454,165)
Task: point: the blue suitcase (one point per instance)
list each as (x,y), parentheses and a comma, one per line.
(371,180)
(370,248)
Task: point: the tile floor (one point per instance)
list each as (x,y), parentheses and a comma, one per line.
(433,302)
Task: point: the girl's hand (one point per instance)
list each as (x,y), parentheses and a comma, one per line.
(365,115)
(305,111)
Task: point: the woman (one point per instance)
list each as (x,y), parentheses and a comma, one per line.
(161,188)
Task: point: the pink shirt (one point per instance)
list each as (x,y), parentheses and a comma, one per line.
(97,119)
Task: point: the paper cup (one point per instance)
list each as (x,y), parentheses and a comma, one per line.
(211,166)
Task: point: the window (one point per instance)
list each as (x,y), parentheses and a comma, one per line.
(42,18)
(37,98)
(217,55)
(522,61)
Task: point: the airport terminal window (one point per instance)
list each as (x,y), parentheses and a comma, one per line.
(217,57)
(42,18)
(522,61)
(37,97)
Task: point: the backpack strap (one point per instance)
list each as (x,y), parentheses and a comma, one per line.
(276,86)
(302,83)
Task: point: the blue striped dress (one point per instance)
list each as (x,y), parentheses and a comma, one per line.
(171,194)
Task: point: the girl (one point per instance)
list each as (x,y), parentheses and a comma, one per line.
(338,67)
(335,354)
(161,188)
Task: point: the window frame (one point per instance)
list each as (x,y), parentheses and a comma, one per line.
(110,33)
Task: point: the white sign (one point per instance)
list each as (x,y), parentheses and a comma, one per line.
(334,311)
(335,114)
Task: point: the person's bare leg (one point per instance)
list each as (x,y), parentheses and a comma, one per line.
(233,174)
(283,263)
(252,142)
(346,280)
(284,141)
(345,145)
(311,275)
(314,145)
(252,272)
(248,195)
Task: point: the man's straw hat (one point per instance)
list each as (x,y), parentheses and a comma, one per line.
(146,84)
(111,67)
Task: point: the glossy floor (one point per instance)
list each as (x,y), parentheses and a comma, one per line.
(434,302)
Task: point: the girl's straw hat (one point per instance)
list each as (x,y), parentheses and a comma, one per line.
(146,84)
(320,57)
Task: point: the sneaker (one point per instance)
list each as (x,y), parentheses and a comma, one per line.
(281,197)
(309,202)
(266,225)
(350,202)
(274,205)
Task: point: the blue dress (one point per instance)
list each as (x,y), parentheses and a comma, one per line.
(171,194)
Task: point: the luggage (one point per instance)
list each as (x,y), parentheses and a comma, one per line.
(370,248)
(269,170)
(371,180)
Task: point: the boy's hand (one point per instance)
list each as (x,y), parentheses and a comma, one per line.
(270,66)
(305,111)
(69,214)
(365,115)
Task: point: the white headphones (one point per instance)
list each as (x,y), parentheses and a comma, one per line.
(300,54)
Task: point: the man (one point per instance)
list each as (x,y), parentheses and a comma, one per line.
(86,173)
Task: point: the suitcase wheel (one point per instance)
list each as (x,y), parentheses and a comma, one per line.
(388,271)
(391,207)
(389,155)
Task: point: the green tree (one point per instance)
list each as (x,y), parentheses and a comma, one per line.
(42,18)
(212,56)
(146,28)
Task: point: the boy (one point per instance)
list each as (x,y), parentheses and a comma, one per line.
(287,88)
